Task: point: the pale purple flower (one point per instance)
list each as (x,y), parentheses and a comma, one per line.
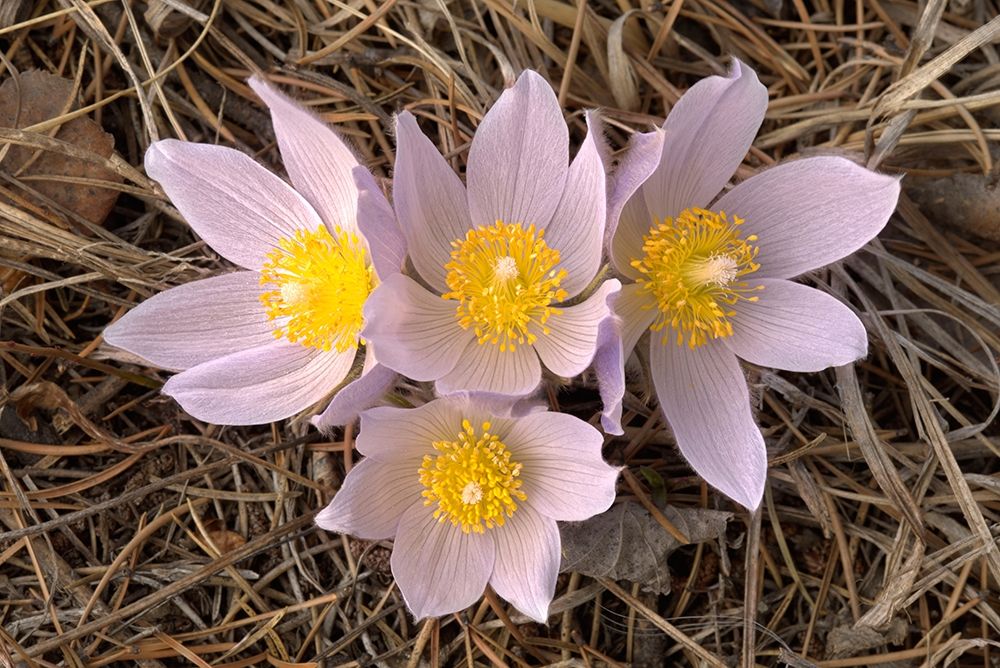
(471,499)
(500,257)
(266,342)
(708,274)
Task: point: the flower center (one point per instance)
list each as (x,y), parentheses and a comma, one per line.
(472,480)
(504,278)
(693,266)
(319,284)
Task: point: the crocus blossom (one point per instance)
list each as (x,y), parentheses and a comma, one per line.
(471,499)
(707,275)
(270,340)
(500,256)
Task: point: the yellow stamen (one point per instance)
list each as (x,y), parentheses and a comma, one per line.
(472,480)
(505,278)
(692,266)
(319,285)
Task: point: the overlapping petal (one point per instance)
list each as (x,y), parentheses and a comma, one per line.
(378,226)
(519,155)
(527,562)
(797,328)
(372,499)
(414,331)
(430,201)
(577,227)
(196,322)
(704,397)
(609,367)
(389,433)
(439,569)
(486,368)
(259,385)
(569,346)
(627,244)
(628,217)
(545,443)
(239,208)
(318,161)
(634,312)
(811,212)
(637,310)
(706,136)
(358,395)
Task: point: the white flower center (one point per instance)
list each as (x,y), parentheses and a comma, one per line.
(505,268)
(719,269)
(472,493)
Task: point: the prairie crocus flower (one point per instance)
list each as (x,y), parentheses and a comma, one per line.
(708,274)
(266,342)
(471,499)
(501,256)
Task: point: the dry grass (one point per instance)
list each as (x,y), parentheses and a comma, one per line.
(132,534)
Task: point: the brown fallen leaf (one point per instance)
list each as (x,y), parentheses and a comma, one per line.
(844,641)
(38,96)
(224,540)
(966,202)
(627,543)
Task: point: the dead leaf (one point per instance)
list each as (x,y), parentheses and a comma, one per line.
(38,96)
(627,543)
(844,641)
(225,541)
(966,202)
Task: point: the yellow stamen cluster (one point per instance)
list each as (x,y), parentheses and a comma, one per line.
(692,266)
(504,278)
(472,480)
(319,283)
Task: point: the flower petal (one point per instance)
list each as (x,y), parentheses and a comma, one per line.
(577,227)
(704,397)
(796,328)
(485,368)
(628,217)
(388,433)
(519,155)
(239,208)
(569,346)
(626,246)
(527,562)
(318,161)
(504,406)
(378,226)
(707,135)
(633,313)
(413,330)
(609,367)
(358,395)
(430,202)
(637,310)
(439,568)
(195,322)
(564,475)
(259,385)
(811,212)
(372,499)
